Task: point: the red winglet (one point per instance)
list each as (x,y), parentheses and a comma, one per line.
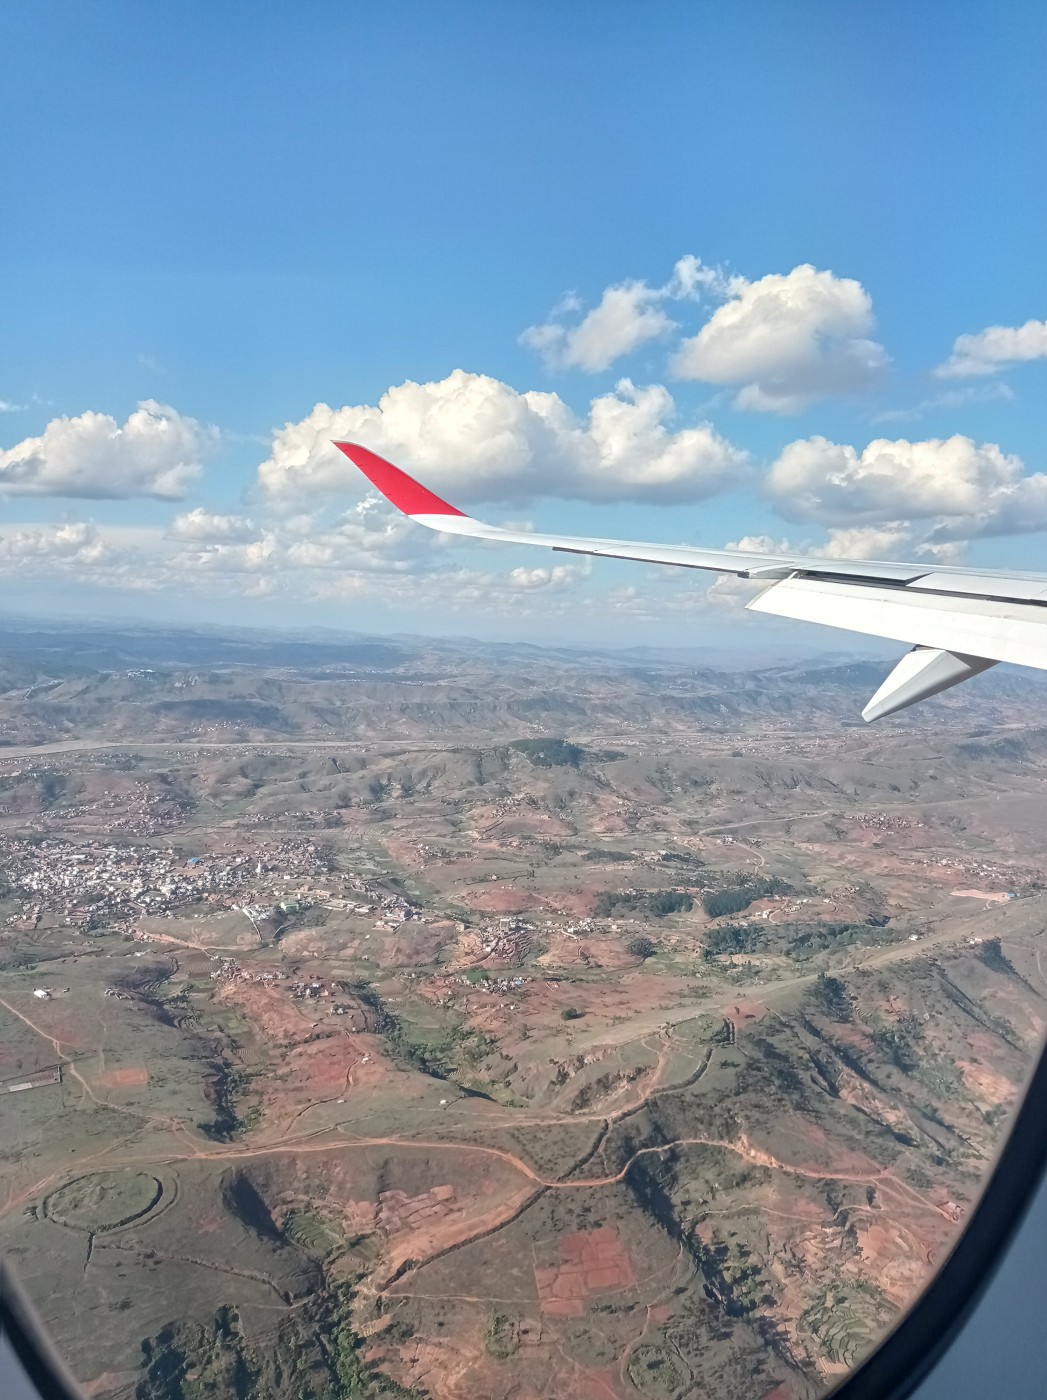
(396,486)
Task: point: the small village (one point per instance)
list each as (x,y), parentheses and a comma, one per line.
(105,885)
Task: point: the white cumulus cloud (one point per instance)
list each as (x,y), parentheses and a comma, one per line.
(629,315)
(867,541)
(968,489)
(76,542)
(474,438)
(157,452)
(994,349)
(787,340)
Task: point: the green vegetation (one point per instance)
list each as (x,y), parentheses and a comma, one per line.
(549,753)
(187,1362)
(657,905)
(800,941)
(845,1321)
(733,938)
(503,1337)
(654,1371)
(641,947)
(443,1052)
(233,1115)
(804,940)
(1011,748)
(315,1357)
(992,955)
(686,858)
(669,902)
(830,996)
(452,1050)
(311,1232)
(900,1043)
(738,897)
(738,1281)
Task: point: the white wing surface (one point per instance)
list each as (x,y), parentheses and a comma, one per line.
(958,621)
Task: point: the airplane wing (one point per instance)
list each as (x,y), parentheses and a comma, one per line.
(958,622)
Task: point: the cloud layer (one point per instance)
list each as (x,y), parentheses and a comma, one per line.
(476,439)
(629,315)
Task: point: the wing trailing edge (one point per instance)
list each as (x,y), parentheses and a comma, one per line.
(959,622)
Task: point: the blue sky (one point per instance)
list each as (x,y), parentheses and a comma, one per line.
(234,213)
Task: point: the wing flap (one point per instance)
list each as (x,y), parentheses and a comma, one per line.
(978,584)
(989,628)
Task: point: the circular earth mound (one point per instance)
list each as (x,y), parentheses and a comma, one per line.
(104,1200)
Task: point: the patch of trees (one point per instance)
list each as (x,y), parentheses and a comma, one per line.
(733,938)
(1009,747)
(549,753)
(830,996)
(641,947)
(670,902)
(316,1354)
(992,955)
(53,785)
(735,1279)
(738,897)
(228,1091)
(657,905)
(901,1043)
(443,1052)
(503,1337)
(680,858)
(800,941)
(808,939)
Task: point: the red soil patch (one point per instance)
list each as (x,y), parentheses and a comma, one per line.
(986,1082)
(271,1010)
(414,944)
(398,1211)
(586,950)
(590,1261)
(500,897)
(130,1078)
